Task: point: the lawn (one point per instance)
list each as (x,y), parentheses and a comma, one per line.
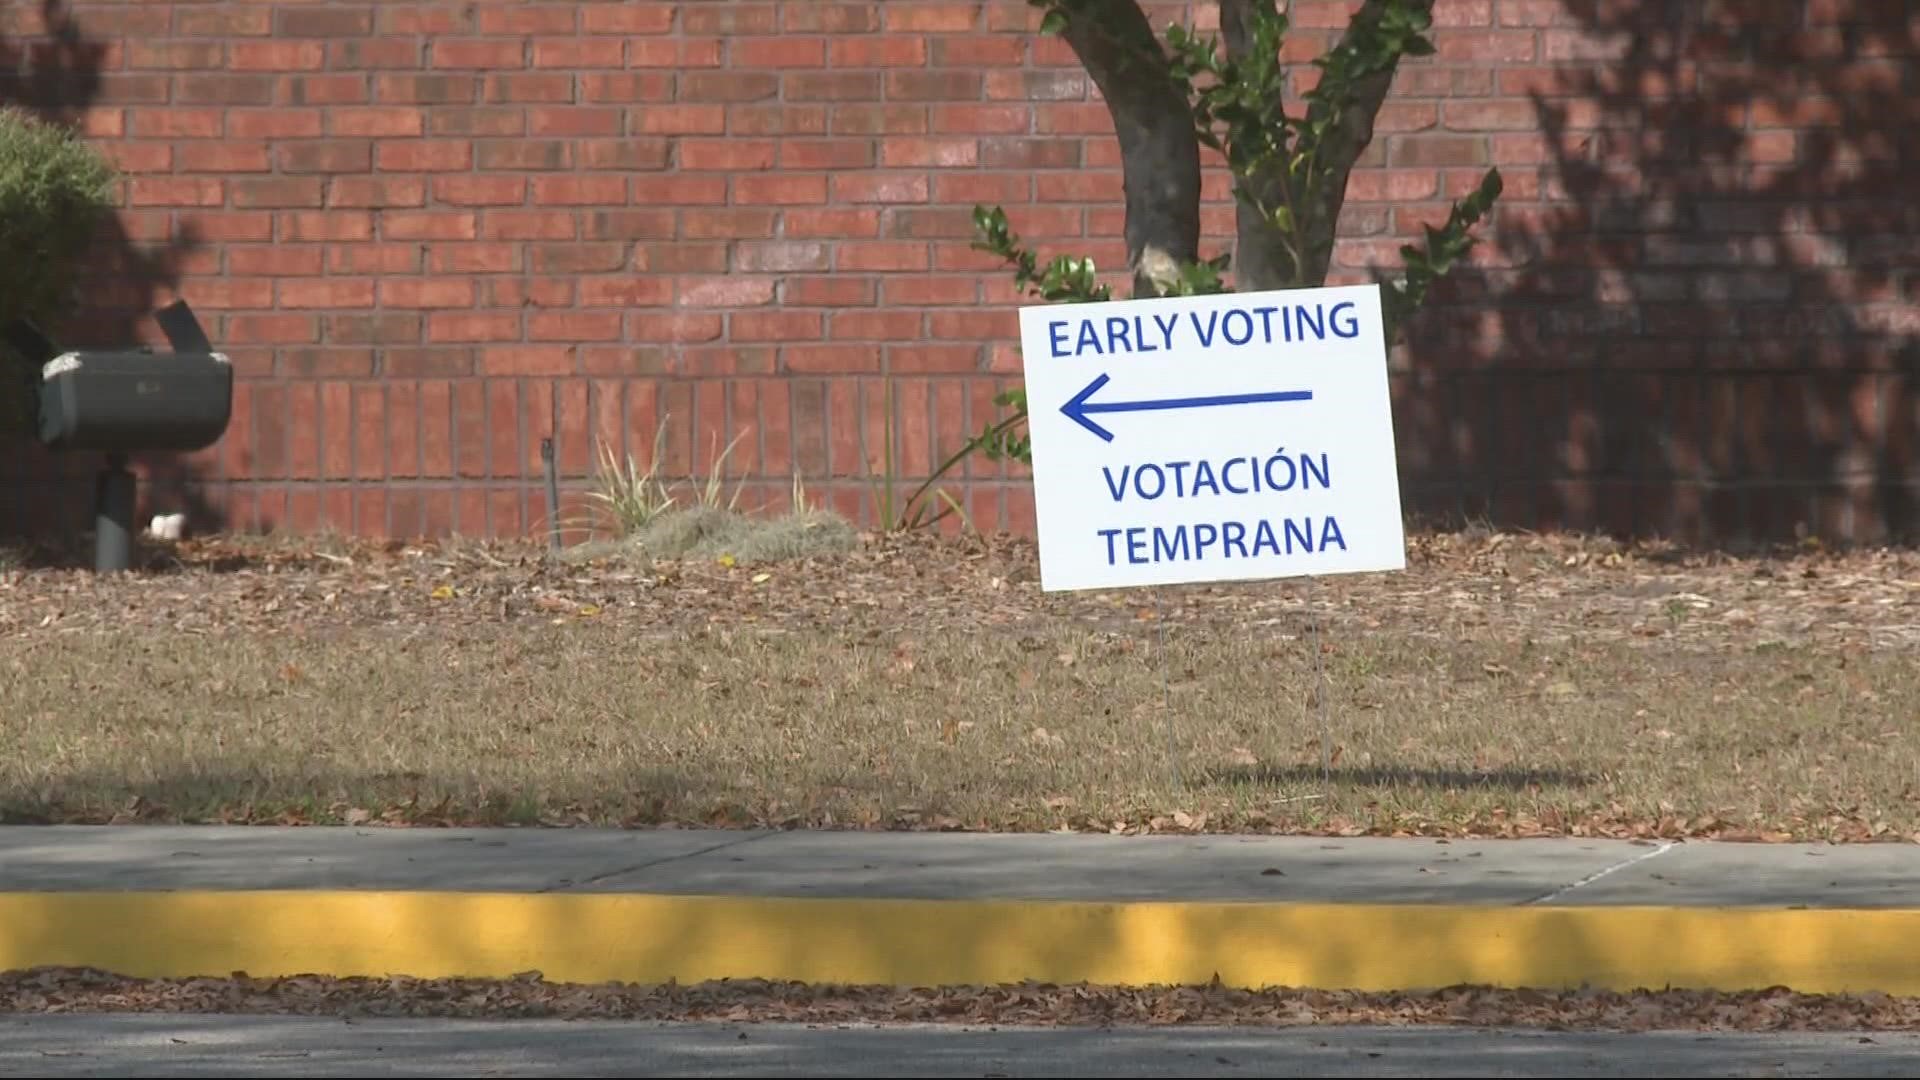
(1502,685)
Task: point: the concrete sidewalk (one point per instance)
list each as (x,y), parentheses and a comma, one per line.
(962,866)
(919,908)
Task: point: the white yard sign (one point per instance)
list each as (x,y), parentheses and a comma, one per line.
(1211,438)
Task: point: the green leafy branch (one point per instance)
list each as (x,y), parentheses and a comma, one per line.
(1285,167)
(1239,112)
(1064,279)
(1282,164)
(1445,247)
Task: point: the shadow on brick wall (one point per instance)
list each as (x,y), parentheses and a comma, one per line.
(1700,330)
(52,67)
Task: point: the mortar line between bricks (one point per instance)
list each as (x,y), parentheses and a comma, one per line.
(1555,894)
(652,863)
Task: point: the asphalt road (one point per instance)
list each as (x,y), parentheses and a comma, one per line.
(159,1045)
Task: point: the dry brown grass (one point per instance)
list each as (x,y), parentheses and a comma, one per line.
(703,532)
(886,710)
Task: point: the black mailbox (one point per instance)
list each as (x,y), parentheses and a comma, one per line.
(127,402)
(124,402)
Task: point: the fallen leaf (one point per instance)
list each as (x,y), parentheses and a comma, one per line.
(443,592)
(762,578)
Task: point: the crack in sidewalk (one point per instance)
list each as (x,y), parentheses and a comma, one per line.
(1555,894)
(661,861)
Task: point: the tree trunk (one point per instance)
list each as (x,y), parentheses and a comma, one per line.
(1261,259)
(1160,154)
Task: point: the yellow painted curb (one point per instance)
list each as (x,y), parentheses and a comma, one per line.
(648,939)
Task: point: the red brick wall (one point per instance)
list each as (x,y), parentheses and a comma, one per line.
(432,234)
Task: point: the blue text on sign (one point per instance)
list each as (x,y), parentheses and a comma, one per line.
(1267,324)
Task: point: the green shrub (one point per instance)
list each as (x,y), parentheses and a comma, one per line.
(55,191)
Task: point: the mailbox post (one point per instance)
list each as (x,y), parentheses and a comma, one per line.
(125,402)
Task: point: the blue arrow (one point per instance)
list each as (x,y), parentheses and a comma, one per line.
(1079,408)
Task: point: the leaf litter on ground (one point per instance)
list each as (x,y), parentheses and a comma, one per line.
(529,995)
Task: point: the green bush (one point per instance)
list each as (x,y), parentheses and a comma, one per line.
(55,190)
